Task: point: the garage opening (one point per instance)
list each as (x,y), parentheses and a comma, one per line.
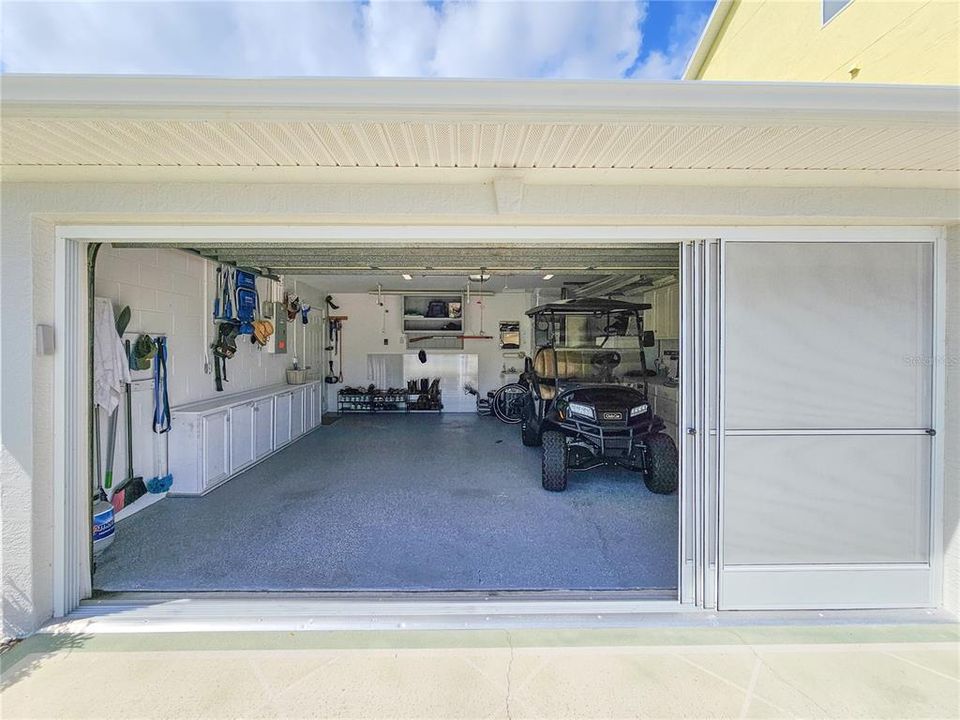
(388,418)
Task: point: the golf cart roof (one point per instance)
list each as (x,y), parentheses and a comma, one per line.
(588,306)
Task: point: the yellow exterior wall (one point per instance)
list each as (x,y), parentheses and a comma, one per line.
(890,41)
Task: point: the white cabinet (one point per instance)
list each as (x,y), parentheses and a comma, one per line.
(262,428)
(213,440)
(664,317)
(296,412)
(317,392)
(241,436)
(215,461)
(664,401)
(308,408)
(281,421)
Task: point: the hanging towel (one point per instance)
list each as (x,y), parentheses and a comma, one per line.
(110,370)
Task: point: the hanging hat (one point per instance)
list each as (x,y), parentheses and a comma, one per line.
(262,330)
(142,352)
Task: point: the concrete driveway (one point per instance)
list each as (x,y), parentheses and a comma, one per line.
(835,671)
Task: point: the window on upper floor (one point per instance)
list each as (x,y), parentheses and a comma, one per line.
(832,7)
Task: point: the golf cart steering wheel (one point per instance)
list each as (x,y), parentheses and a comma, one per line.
(606,360)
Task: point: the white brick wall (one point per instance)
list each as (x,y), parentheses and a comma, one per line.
(165,291)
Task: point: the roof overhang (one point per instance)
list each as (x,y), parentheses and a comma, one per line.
(157,128)
(707,39)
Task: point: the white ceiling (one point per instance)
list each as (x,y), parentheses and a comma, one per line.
(525,145)
(136,122)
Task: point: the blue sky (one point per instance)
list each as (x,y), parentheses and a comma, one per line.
(647,39)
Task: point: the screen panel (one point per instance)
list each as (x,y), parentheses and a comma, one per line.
(828,335)
(826,499)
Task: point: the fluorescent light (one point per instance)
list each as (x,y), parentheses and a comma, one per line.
(407,276)
(548,276)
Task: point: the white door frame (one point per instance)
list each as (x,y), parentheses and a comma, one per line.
(71,538)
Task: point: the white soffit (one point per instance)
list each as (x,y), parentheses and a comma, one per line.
(169,123)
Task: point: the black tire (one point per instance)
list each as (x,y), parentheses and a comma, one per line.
(661,475)
(529,436)
(554,466)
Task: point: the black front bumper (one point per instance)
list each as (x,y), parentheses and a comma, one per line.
(617,441)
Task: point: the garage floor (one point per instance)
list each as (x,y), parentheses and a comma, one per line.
(442,502)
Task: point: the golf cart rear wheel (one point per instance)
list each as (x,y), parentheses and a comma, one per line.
(554,467)
(529,436)
(661,475)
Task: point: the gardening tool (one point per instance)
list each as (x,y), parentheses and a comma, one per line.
(131,487)
(216,298)
(123,319)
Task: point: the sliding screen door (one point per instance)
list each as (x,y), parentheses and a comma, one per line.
(826,451)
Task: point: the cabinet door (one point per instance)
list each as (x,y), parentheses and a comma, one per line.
(296,413)
(317,404)
(241,437)
(308,409)
(215,446)
(262,428)
(281,423)
(672,310)
(650,316)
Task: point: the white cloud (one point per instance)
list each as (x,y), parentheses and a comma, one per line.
(575,39)
(682,41)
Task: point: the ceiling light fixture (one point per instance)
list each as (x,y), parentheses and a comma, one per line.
(407,276)
(548,276)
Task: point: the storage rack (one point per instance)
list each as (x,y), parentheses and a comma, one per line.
(384,402)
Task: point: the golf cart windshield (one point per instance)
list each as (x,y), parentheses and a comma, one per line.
(596,342)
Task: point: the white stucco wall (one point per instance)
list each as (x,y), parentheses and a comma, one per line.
(951,479)
(31,210)
(363,335)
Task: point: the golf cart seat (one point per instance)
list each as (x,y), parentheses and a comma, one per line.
(560,363)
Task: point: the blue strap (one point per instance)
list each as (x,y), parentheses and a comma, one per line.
(161,402)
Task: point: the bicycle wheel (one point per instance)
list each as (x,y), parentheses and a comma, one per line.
(508,403)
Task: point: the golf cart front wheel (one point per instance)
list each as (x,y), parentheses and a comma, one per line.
(661,474)
(554,466)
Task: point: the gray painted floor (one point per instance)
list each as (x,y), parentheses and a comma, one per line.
(449,502)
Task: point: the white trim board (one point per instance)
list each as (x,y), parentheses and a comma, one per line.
(540,235)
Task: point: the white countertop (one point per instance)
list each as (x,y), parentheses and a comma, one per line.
(225,400)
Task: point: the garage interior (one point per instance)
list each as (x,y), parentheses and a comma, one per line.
(369,468)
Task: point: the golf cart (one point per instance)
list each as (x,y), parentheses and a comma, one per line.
(587,403)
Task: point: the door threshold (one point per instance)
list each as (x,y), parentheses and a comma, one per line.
(275,611)
(303,612)
(380,596)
